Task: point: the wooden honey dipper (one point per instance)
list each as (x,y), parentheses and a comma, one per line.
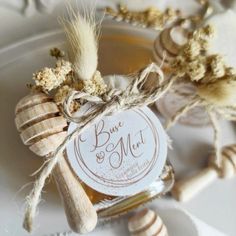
(186,189)
(43,129)
(168,45)
(145,223)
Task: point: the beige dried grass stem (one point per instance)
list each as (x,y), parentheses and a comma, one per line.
(82,34)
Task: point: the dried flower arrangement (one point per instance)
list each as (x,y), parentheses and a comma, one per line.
(43,116)
(42,125)
(214,81)
(61,80)
(215,85)
(154,18)
(149,18)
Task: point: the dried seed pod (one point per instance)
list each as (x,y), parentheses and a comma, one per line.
(146,223)
(43,128)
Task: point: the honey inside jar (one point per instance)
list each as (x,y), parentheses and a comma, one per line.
(121,52)
(94,195)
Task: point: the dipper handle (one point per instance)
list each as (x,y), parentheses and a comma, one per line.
(80,212)
(185,189)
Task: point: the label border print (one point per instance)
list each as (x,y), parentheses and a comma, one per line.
(128,185)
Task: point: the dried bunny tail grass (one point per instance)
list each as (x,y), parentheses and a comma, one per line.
(82,34)
(220,93)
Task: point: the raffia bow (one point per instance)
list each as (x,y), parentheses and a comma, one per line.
(111,102)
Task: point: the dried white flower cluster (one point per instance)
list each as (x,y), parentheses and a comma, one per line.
(215,82)
(194,62)
(95,86)
(59,81)
(151,17)
(61,95)
(51,78)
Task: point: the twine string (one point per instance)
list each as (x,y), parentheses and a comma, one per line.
(113,101)
(195,101)
(217,161)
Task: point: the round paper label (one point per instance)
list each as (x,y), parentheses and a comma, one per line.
(121,154)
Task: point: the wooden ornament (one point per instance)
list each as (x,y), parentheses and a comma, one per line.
(146,223)
(169,43)
(186,189)
(167,46)
(43,128)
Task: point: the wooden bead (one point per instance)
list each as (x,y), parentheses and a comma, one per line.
(47,145)
(35,113)
(146,223)
(161,55)
(227,169)
(37,119)
(31,100)
(162,52)
(173,39)
(43,129)
(229,161)
(230,153)
(169,43)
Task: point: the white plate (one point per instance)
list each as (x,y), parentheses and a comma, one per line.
(124,54)
(174,225)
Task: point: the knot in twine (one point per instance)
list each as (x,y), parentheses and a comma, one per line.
(112,101)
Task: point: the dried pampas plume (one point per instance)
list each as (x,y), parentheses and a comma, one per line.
(82,34)
(220,93)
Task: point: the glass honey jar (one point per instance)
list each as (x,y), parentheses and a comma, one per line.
(118,38)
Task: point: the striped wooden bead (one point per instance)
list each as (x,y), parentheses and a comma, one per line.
(39,123)
(168,45)
(146,223)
